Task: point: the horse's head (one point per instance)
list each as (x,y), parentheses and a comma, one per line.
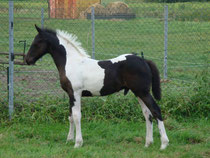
(39,47)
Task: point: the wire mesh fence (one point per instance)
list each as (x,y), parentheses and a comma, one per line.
(120,28)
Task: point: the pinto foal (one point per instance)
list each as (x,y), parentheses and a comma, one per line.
(82,76)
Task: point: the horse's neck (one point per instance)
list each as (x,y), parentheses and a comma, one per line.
(59,59)
(63,56)
(66,53)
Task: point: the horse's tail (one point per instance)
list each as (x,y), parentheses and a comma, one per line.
(156,90)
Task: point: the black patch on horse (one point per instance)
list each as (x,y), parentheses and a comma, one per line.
(104,64)
(150,118)
(113,80)
(86,93)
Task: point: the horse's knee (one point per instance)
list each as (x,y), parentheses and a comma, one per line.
(71,119)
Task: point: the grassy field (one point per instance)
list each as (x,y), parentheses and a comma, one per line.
(188,139)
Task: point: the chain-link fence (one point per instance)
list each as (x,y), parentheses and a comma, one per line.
(120,27)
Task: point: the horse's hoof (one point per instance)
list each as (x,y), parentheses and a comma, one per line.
(78,144)
(147,144)
(164,145)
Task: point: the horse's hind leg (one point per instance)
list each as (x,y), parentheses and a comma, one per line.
(156,113)
(149,126)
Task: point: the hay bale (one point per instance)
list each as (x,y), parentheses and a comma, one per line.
(99,10)
(115,8)
(82,15)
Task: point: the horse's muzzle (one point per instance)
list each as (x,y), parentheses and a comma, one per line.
(29,61)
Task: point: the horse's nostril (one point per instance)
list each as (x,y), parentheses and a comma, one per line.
(25,60)
(28,60)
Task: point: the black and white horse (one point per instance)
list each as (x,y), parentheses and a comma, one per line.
(82,76)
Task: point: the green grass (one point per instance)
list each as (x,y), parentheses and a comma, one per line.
(188,139)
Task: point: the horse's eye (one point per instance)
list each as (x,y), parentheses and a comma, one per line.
(36,45)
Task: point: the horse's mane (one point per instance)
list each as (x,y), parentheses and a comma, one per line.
(72,39)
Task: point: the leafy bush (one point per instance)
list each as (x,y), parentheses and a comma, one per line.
(183,103)
(190,102)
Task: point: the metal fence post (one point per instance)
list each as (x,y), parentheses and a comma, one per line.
(42,22)
(93,31)
(42,18)
(165,41)
(11,60)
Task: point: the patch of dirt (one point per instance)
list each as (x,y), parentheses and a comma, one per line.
(206,154)
(33,84)
(195,140)
(138,140)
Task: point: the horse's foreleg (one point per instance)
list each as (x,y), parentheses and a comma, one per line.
(71,129)
(76,113)
(70,136)
(149,126)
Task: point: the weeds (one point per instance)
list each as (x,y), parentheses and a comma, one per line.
(191,102)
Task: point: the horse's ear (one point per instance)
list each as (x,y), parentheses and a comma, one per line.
(38,29)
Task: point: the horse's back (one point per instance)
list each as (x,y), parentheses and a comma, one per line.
(126,72)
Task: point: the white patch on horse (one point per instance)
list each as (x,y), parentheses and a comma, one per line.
(163,136)
(149,125)
(71,129)
(76,114)
(83,72)
(71,39)
(93,76)
(119,58)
